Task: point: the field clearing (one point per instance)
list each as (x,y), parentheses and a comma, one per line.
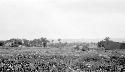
(58,51)
(47,51)
(67,51)
(39,50)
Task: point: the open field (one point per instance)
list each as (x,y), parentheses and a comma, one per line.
(37,59)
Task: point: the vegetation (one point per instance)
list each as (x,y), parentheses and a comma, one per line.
(24,42)
(61,57)
(109,44)
(36,62)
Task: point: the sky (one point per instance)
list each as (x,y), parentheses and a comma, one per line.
(66,19)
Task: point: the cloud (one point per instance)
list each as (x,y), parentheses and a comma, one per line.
(93,6)
(61,18)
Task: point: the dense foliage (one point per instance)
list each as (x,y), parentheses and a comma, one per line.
(27,62)
(109,44)
(24,42)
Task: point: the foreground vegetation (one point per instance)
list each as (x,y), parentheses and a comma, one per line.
(33,60)
(61,57)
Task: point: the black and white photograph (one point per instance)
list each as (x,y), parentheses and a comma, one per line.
(62,35)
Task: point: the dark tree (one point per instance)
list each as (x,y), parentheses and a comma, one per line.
(59,40)
(15,42)
(1,43)
(107,39)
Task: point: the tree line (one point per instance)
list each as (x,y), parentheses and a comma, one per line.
(16,42)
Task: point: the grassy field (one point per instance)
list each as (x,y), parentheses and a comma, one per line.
(37,59)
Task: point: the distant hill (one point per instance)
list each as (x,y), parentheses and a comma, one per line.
(118,39)
(87,40)
(76,40)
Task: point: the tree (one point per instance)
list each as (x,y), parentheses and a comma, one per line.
(44,41)
(107,39)
(36,42)
(26,42)
(14,42)
(1,43)
(52,41)
(59,40)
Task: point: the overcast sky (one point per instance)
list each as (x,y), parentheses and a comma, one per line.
(62,19)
